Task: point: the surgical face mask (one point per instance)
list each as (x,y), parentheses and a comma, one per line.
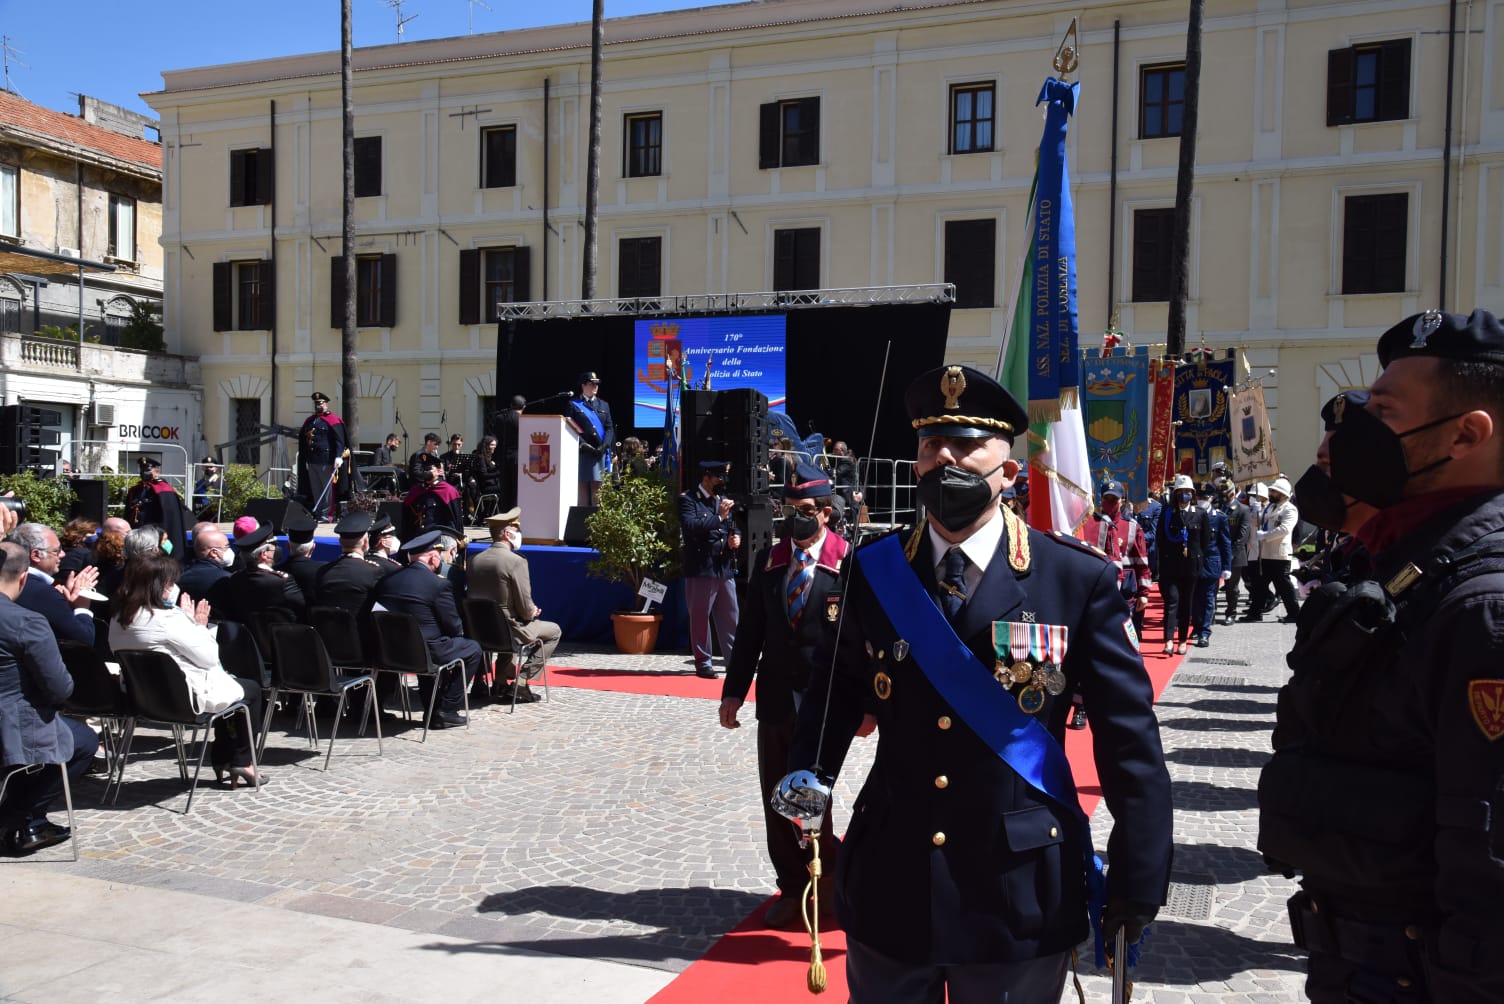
(1368,457)
(1319,501)
(170,599)
(955,496)
(1111,505)
(1183,499)
(514,538)
(226,557)
(1204,505)
(801,526)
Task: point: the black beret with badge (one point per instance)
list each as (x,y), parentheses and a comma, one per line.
(1332,411)
(1478,337)
(721,467)
(1111,487)
(962,402)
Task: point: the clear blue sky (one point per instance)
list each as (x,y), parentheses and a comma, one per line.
(115,49)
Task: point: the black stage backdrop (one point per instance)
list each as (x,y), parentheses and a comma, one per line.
(834,367)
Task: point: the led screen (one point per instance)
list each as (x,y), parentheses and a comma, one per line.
(736,351)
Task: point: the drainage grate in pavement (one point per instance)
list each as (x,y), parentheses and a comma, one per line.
(1211,680)
(1190,900)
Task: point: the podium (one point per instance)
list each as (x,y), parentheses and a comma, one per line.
(548,475)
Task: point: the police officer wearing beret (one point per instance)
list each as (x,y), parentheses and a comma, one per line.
(786,618)
(1322,503)
(965,866)
(417,589)
(709,559)
(1386,788)
(322,454)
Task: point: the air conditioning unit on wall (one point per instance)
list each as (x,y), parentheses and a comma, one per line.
(103,414)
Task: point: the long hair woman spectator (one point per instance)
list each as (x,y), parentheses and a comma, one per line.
(149,614)
(74,540)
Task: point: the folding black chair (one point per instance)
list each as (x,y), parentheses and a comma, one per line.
(493,631)
(158,692)
(302,666)
(403,650)
(97,693)
(348,648)
(17,769)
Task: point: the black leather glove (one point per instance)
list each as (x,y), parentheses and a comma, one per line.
(1130,916)
(1276,865)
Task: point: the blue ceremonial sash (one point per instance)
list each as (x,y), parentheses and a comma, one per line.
(586,412)
(969,687)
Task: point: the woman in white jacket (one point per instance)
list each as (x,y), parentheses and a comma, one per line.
(1273,540)
(152,615)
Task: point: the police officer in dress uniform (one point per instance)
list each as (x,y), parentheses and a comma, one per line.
(1322,503)
(1184,539)
(299,563)
(591,416)
(963,868)
(322,454)
(433,503)
(784,621)
(258,586)
(153,501)
(383,543)
(709,560)
(1386,788)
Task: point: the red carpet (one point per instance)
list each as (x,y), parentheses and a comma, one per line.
(752,963)
(651,682)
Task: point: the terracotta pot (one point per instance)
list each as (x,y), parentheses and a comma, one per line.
(636,633)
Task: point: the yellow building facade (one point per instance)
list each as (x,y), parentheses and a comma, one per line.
(833,143)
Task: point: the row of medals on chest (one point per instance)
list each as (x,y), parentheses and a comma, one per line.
(1035,678)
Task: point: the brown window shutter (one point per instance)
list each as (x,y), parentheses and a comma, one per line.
(470,287)
(1339,86)
(264,161)
(388,318)
(767,136)
(337,292)
(268,296)
(809,125)
(237,178)
(223,299)
(1394,80)
(522,273)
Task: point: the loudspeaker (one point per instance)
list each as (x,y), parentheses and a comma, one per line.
(574,525)
(393,510)
(729,425)
(753,517)
(92,496)
(276,512)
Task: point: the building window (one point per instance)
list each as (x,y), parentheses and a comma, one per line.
(971,261)
(375,291)
(796,259)
(639,267)
(243,296)
(490,276)
(250,177)
(644,146)
(10,200)
(246,414)
(1368,83)
(1374,243)
(122,228)
(1161,100)
(789,134)
(498,157)
(367,166)
(1153,235)
(114,327)
(971,118)
(10,315)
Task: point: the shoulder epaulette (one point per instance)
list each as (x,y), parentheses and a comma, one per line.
(1069,538)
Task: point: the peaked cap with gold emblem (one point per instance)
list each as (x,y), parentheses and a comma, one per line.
(963,402)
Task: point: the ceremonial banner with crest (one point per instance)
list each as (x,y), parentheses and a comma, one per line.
(1202,438)
(1115,401)
(1253,444)
(1162,408)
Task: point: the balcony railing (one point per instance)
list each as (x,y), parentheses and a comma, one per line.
(49,353)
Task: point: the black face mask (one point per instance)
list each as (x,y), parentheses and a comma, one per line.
(799,526)
(1368,457)
(1319,501)
(955,496)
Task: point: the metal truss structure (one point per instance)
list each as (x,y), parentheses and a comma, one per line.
(732,303)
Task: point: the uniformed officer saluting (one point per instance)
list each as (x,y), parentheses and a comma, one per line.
(1386,789)
(965,865)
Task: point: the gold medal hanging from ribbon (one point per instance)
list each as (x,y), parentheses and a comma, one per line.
(1034,653)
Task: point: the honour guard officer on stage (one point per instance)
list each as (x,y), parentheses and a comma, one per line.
(709,558)
(783,623)
(153,501)
(1386,789)
(321,455)
(433,503)
(299,562)
(968,865)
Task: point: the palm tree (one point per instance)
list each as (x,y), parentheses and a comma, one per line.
(349,406)
(1180,247)
(593,169)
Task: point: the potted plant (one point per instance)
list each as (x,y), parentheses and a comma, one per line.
(635,532)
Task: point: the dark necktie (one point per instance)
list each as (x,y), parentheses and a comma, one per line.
(953,583)
(799,582)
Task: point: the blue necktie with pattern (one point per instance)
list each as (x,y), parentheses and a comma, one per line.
(953,583)
(799,583)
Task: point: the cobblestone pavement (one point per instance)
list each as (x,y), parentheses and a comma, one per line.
(625,828)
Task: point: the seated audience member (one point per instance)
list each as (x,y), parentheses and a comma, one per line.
(259,586)
(452,566)
(74,540)
(152,613)
(500,574)
(347,581)
(62,603)
(300,563)
(210,565)
(385,544)
(416,589)
(33,683)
